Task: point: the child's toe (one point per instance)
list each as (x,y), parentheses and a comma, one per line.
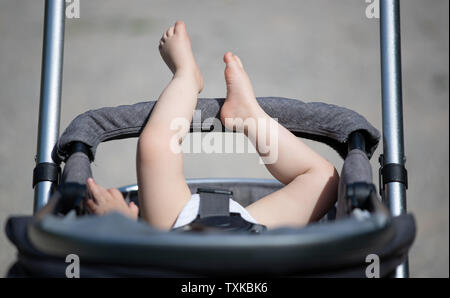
(228,58)
(238,60)
(170,31)
(180,27)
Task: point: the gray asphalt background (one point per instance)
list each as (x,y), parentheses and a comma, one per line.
(322,50)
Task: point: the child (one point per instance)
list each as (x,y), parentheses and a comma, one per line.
(310,180)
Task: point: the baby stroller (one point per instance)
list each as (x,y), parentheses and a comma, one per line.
(360,224)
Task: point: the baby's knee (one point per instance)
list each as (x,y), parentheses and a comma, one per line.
(328,175)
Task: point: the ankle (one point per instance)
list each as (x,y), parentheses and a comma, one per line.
(189,79)
(257,112)
(190,75)
(254,111)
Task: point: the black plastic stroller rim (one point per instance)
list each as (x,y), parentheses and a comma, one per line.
(274,253)
(279,251)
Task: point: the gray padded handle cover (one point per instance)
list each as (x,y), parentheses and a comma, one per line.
(317,121)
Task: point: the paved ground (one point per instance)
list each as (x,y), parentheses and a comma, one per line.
(312,50)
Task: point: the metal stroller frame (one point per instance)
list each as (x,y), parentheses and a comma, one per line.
(393,182)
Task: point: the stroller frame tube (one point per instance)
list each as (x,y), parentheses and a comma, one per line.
(50,96)
(392,111)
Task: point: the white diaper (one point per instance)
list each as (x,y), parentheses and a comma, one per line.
(190,211)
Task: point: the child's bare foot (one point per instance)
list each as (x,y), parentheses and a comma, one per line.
(175,49)
(241,101)
(110,200)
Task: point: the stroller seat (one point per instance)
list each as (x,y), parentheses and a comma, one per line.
(113,245)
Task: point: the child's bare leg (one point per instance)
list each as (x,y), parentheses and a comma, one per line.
(163,191)
(162,188)
(311,181)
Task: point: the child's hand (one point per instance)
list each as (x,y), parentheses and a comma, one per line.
(105,201)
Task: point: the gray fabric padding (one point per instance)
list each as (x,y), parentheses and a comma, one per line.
(317,121)
(356,168)
(77,169)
